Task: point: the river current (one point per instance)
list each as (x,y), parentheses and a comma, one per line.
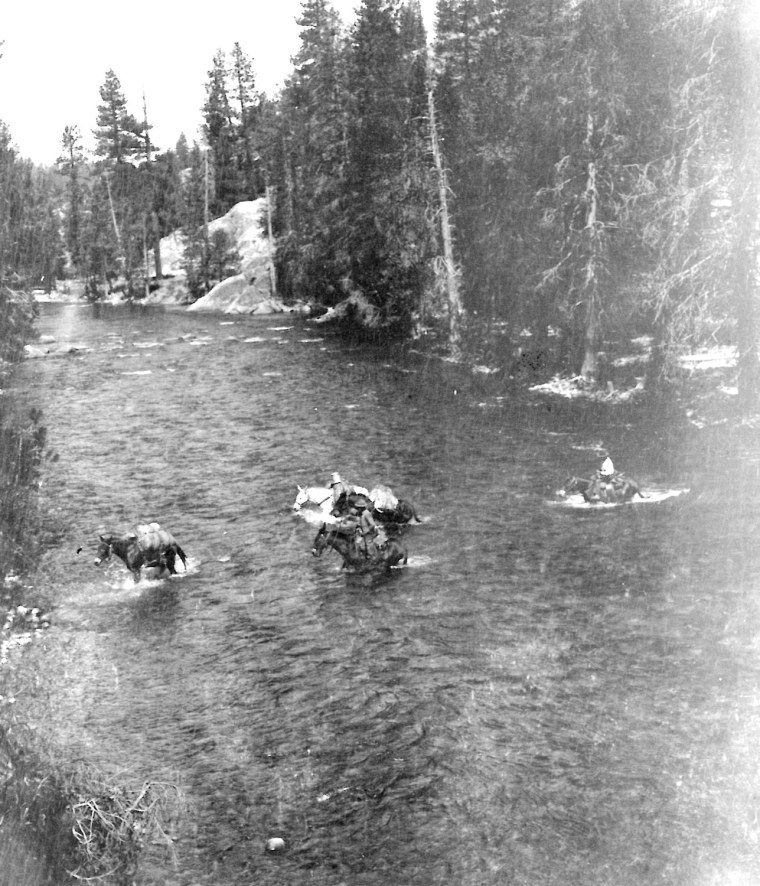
(542,695)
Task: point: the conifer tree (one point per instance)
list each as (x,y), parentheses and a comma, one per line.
(307,156)
(118,136)
(221,137)
(194,214)
(247,101)
(71,163)
(388,185)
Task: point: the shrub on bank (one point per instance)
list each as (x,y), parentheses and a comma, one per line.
(84,824)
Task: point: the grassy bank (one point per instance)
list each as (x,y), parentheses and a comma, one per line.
(61,820)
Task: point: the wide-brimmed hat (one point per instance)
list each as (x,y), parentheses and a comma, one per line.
(335,479)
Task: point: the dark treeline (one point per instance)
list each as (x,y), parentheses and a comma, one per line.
(540,183)
(592,163)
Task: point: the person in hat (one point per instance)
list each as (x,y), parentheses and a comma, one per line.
(601,486)
(339,488)
(371,536)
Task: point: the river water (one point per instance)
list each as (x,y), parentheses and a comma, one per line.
(542,695)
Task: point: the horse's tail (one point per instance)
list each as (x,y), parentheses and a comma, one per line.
(407,510)
(181,555)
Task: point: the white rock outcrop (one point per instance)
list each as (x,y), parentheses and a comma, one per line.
(248,292)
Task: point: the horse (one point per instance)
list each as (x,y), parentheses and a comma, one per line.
(403,512)
(146,545)
(320,496)
(343,540)
(597,491)
(391,510)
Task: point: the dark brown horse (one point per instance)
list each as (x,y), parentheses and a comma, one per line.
(146,545)
(343,540)
(404,512)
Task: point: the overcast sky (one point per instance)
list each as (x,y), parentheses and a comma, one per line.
(56,53)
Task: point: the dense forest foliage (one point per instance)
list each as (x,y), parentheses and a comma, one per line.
(539,181)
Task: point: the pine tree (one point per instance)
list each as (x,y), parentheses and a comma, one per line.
(71,163)
(305,152)
(194,214)
(387,170)
(221,137)
(247,101)
(118,136)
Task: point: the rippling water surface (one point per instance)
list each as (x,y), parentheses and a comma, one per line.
(542,696)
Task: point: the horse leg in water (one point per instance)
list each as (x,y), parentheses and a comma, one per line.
(169,556)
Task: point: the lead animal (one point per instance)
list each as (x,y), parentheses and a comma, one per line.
(147,545)
(320,496)
(389,509)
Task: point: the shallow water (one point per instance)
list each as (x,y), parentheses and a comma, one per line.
(543,695)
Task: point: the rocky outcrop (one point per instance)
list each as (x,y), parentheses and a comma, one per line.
(248,292)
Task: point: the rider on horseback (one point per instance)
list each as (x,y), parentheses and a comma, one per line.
(603,480)
(370,538)
(608,485)
(341,489)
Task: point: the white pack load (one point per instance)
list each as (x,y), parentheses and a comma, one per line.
(150,536)
(383,499)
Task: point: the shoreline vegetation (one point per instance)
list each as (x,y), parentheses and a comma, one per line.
(58,817)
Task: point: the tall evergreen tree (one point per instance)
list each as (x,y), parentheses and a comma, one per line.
(118,134)
(221,137)
(387,182)
(71,163)
(307,157)
(247,112)
(194,214)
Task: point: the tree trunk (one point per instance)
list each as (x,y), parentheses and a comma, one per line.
(205,222)
(157,249)
(452,278)
(744,77)
(744,261)
(590,366)
(116,231)
(270,236)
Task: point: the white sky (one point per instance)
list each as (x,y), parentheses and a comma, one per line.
(56,53)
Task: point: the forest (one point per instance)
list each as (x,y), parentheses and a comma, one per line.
(536,184)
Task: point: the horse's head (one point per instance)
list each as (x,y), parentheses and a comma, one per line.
(104,549)
(301,498)
(573,485)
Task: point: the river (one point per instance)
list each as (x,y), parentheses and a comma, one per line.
(542,695)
